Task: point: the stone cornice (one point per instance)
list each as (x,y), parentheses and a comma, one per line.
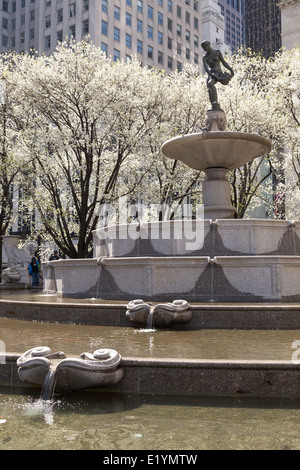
(284,3)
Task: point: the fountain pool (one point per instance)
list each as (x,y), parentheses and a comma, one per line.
(93,421)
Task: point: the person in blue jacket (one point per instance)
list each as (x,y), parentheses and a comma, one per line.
(34,269)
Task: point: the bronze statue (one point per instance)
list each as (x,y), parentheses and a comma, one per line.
(212,61)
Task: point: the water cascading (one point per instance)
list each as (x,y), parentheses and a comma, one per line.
(49,385)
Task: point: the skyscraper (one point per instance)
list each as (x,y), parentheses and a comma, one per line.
(263,26)
(233,12)
(162,33)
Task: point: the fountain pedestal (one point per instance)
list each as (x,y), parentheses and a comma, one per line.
(216,195)
(216,151)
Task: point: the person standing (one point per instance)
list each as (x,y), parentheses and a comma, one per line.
(54,256)
(34,269)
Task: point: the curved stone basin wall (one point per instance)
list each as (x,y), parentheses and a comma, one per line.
(199,237)
(235,260)
(197,279)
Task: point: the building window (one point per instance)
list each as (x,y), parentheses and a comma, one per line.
(86,5)
(128,41)
(150,52)
(170,6)
(160,57)
(48,3)
(170,62)
(116,34)
(160,37)
(150,32)
(116,55)
(59,36)
(160,19)
(104,28)
(140,46)
(150,12)
(72,10)
(105,6)
(47,42)
(32,15)
(31,34)
(5,5)
(48,21)
(85,27)
(140,6)
(128,19)
(4,23)
(139,26)
(72,31)
(4,41)
(60,15)
(117,13)
(104,48)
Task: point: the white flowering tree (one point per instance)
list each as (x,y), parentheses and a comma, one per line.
(285,86)
(13,162)
(90,118)
(252,105)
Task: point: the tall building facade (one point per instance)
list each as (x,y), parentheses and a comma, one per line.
(263,26)
(160,33)
(290,22)
(213,25)
(233,12)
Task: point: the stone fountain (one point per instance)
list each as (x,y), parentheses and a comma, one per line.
(216,258)
(213,258)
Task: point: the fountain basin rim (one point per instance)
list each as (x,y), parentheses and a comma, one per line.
(219,135)
(227,150)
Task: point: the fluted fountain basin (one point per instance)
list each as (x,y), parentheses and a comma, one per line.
(204,150)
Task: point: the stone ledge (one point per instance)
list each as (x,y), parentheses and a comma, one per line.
(194,377)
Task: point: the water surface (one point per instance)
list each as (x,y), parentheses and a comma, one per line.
(95,421)
(19,336)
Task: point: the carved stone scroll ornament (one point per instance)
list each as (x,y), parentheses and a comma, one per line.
(165,314)
(90,370)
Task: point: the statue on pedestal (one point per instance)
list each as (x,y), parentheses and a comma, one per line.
(212,61)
